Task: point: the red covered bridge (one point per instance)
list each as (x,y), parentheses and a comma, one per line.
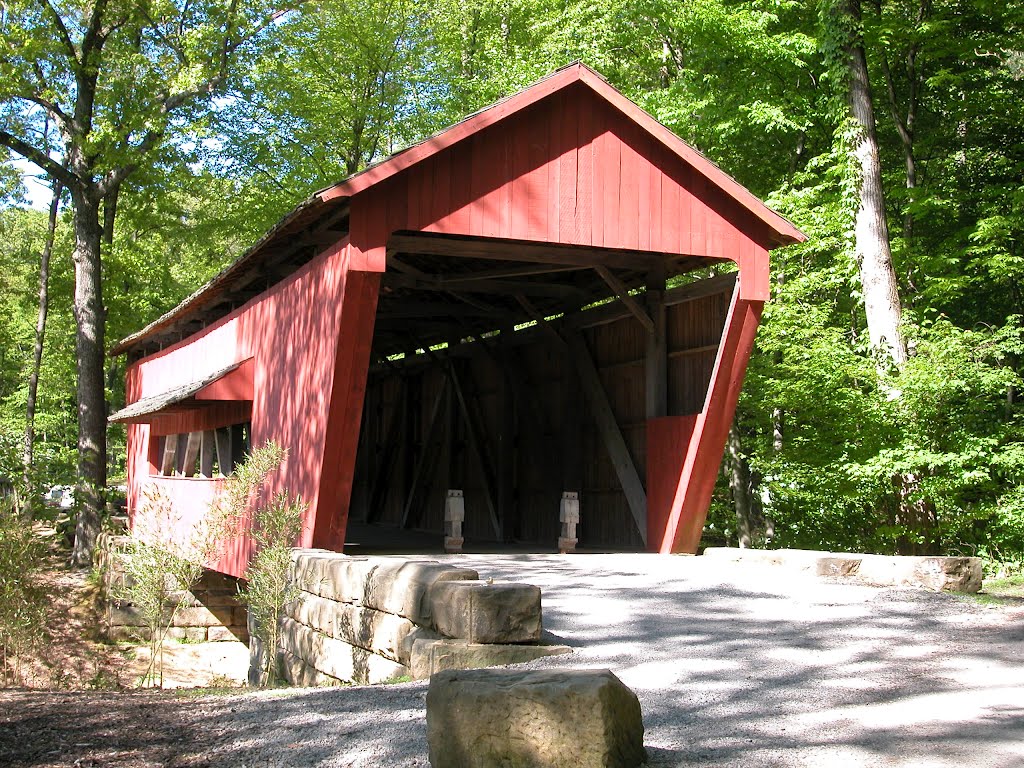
(505,308)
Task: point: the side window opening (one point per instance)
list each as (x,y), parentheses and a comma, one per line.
(209,453)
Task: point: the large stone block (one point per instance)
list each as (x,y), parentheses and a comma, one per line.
(486,611)
(297,672)
(227,634)
(313,611)
(536,719)
(326,654)
(344,578)
(123,614)
(200,617)
(401,586)
(336,658)
(371,669)
(376,631)
(949,574)
(430,656)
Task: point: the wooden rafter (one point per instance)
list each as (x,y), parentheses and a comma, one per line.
(473,285)
(495,249)
(426,453)
(476,446)
(623,293)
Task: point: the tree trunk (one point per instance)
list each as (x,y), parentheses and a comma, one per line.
(37,350)
(878,276)
(747,505)
(92,403)
(871,229)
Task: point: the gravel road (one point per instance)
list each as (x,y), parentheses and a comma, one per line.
(734,665)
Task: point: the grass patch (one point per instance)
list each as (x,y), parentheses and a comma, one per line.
(1008,586)
(1007,591)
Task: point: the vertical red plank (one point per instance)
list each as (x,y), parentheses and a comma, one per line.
(667,440)
(368,231)
(508,137)
(428,195)
(519,191)
(611,220)
(478,186)
(538,157)
(568,172)
(461,188)
(413,179)
(599,163)
(556,118)
(442,203)
(630,180)
(584,209)
(715,238)
(643,192)
(393,196)
(670,224)
(755,280)
(699,214)
(685,214)
(352,360)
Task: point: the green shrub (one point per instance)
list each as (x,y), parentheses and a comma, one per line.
(276,526)
(23,598)
(158,574)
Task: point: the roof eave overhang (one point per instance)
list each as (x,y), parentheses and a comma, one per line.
(232,383)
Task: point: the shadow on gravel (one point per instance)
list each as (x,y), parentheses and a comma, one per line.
(383,726)
(730,672)
(794,673)
(732,668)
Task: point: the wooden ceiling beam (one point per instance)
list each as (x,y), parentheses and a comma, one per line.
(498,287)
(495,274)
(493,249)
(623,293)
(416,309)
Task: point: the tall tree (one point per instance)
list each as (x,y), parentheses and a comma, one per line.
(118,79)
(337,89)
(37,346)
(882,305)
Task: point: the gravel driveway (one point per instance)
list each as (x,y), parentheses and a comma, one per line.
(734,664)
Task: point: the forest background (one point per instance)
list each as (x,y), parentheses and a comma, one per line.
(186,129)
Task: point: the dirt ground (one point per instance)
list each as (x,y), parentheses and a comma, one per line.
(75,657)
(76,701)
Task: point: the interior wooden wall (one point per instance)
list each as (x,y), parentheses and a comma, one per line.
(533,425)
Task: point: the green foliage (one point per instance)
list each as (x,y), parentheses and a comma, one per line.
(754,84)
(22,232)
(23,598)
(157,573)
(276,524)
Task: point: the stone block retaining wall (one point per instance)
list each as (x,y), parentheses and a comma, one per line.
(941,574)
(373,619)
(211,610)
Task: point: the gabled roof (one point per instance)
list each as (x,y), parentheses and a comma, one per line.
(304,232)
(559,80)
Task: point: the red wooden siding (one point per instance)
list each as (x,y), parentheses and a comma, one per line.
(590,158)
(292,334)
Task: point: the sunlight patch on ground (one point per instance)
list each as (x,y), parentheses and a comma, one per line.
(929,709)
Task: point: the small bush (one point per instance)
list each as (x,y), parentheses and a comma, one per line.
(157,577)
(276,525)
(23,599)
